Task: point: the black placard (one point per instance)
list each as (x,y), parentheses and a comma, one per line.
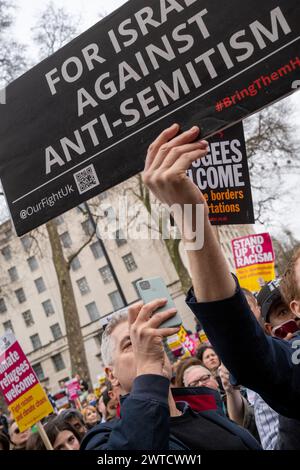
(80,122)
(223,177)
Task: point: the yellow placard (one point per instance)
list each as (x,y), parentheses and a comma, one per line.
(31,407)
(255,276)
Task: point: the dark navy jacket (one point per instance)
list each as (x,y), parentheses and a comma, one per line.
(270,366)
(145,423)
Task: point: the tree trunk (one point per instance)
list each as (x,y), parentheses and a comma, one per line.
(75,340)
(173,250)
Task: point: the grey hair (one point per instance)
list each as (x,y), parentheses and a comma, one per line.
(108,343)
(190,369)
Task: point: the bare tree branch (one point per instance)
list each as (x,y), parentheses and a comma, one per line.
(74,255)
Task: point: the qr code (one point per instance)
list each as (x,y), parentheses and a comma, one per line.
(86,179)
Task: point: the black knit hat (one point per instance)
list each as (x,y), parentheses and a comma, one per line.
(268,296)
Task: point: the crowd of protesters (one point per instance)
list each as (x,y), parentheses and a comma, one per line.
(241,391)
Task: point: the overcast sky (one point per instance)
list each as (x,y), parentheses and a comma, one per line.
(89,12)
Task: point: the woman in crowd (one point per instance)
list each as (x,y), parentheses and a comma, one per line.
(62,436)
(209,359)
(18,439)
(91,416)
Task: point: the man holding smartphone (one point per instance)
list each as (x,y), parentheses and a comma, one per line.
(133,353)
(268,364)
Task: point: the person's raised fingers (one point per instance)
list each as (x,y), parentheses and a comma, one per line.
(165,332)
(176,152)
(184,162)
(133,312)
(158,318)
(148,309)
(186,137)
(162,139)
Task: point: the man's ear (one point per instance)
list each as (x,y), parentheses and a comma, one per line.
(268,329)
(110,375)
(295,307)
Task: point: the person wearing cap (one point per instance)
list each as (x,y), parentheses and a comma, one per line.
(265,364)
(275,312)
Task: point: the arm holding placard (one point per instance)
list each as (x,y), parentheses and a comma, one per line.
(259,362)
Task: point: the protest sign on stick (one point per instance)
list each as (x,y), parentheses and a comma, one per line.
(44,436)
(24,395)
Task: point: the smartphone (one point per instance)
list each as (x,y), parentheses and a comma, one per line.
(285,328)
(153,289)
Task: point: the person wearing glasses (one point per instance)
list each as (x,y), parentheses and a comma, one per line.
(235,405)
(199,376)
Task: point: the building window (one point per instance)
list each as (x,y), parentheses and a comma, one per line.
(106,274)
(135,287)
(120,238)
(88,228)
(13,274)
(98,339)
(83,286)
(75,265)
(6,252)
(97,250)
(110,214)
(20,294)
(59,220)
(93,311)
(58,362)
(40,285)
(36,342)
(56,331)
(32,263)
(28,318)
(129,262)
(3,307)
(26,242)
(7,325)
(48,308)
(66,240)
(39,372)
(116,300)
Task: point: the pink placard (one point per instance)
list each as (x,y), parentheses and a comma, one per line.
(16,373)
(73,388)
(252,249)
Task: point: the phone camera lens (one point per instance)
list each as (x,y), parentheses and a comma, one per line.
(145,285)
